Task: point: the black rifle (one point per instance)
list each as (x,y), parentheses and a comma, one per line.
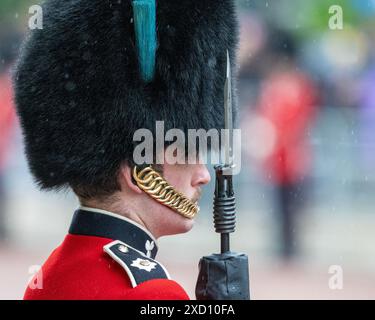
(224,276)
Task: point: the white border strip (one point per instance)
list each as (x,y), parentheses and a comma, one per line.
(107,249)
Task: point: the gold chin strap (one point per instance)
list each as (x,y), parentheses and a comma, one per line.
(158,188)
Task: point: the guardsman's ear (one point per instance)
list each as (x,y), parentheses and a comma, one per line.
(127,179)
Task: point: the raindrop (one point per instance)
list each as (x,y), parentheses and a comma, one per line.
(87,56)
(70,86)
(212,62)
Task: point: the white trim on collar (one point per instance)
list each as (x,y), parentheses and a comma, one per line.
(116,215)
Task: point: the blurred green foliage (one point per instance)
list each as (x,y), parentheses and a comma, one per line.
(307,17)
(14,9)
(316,13)
(7,7)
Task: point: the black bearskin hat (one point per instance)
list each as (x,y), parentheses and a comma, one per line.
(80,95)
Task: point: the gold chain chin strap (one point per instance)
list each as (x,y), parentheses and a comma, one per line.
(158,188)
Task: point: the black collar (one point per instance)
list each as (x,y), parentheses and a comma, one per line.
(100,223)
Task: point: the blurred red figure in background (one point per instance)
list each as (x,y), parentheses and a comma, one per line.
(9,42)
(7,121)
(277,130)
(7,116)
(287,102)
(284,113)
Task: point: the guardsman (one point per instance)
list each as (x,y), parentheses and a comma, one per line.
(96,73)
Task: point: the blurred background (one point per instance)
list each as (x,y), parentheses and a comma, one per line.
(306,191)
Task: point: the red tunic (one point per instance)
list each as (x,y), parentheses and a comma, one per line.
(80,269)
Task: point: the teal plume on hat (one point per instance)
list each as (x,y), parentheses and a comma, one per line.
(144,12)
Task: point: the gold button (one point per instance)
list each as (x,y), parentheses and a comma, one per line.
(144,263)
(123,249)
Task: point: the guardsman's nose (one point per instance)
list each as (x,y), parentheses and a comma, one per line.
(201,176)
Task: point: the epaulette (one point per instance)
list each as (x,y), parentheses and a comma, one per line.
(137,265)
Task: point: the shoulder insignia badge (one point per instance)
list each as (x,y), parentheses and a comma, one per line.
(139,267)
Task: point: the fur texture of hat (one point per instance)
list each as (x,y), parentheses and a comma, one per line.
(80,96)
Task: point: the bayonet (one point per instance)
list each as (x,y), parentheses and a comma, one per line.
(228,116)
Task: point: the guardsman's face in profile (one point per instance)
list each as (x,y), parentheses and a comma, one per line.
(189,180)
(186,178)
